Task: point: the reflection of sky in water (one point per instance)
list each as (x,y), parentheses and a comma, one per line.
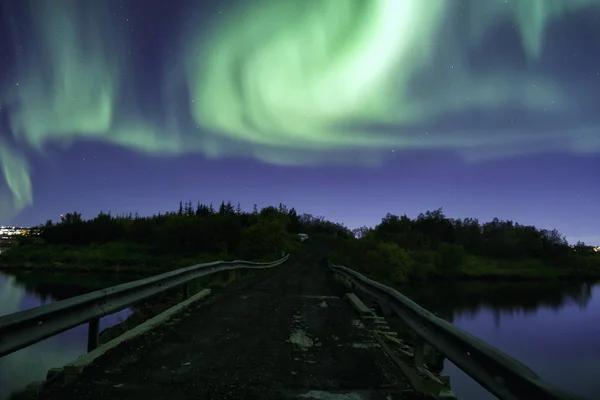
(562,346)
(33,362)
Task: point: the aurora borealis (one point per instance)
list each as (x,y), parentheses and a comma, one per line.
(306,85)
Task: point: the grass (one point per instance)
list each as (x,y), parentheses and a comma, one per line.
(117,257)
(485,268)
(471,268)
(109,257)
(479,268)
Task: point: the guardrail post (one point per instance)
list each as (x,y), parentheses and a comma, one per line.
(384,309)
(93,333)
(186,290)
(418,352)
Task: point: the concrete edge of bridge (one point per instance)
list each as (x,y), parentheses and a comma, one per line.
(70,372)
(402,355)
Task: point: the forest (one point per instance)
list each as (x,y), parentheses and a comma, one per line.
(435,246)
(187,236)
(398,249)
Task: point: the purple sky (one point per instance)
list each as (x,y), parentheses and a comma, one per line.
(554,187)
(551,191)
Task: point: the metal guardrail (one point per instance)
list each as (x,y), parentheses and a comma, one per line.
(27,327)
(501,374)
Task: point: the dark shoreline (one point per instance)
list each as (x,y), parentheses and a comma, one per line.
(145,271)
(113,270)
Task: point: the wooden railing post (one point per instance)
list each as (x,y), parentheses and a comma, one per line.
(93,333)
(186,290)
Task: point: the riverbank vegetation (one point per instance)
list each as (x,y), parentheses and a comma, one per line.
(433,246)
(399,249)
(190,235)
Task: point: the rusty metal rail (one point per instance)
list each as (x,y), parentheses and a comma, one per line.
(501,374)
(27,327)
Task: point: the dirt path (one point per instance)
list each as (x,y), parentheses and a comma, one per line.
(287,336)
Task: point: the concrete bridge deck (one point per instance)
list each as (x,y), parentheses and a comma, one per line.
(291,335)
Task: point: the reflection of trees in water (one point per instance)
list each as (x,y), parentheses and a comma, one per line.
(449,299)
(62,285)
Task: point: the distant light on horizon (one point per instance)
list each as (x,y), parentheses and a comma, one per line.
(13,231)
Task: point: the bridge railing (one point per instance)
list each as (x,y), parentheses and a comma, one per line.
(499,373)
(24,328)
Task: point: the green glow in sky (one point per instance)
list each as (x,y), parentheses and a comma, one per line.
(326,65)
(286,82)
(16,175)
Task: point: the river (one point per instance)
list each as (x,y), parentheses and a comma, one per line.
(553,327)
(26,290)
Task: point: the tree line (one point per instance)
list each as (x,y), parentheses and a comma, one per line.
(432,244)
(203,228)
(397,249)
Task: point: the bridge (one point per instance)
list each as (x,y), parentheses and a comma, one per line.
(300,329)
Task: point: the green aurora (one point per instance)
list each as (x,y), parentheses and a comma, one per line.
(285,82)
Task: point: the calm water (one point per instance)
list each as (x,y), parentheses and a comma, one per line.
(27,290)
(554,328)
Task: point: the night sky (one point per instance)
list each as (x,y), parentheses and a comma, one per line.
(348,109)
